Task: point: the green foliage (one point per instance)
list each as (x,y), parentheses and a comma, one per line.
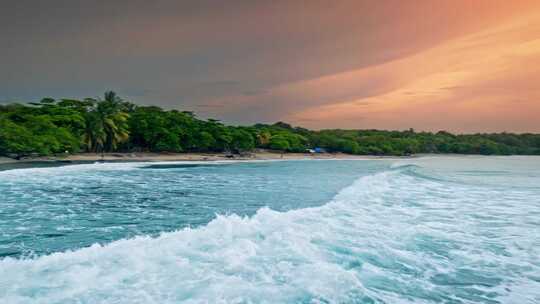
(111,124)
(15,139)
(206,141)
(242,140)
(153,129)
(279,142)
(288,142)
(27,130)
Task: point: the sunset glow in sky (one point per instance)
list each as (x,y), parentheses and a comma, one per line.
(458,65)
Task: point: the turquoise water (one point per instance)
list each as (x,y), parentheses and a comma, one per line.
(426,230)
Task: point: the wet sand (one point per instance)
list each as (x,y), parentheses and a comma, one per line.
(8,163)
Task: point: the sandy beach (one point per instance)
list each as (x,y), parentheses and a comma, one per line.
(160,157)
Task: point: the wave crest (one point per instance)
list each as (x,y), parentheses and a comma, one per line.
(389,237)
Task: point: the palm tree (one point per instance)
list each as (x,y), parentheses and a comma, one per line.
(94,133)
(264,138)
(106,124)
(116,128)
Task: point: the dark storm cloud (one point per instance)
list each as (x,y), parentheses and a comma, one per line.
(85,46)
(241,61)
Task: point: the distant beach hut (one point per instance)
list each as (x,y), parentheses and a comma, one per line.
(319,150)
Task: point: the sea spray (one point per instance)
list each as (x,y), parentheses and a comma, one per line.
(391,236)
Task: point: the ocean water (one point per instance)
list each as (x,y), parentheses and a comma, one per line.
(423,230)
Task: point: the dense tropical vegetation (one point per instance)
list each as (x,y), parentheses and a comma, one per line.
(110,124)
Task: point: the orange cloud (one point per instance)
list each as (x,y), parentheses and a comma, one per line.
(484,81)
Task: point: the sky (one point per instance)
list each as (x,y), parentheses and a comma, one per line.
(464,66)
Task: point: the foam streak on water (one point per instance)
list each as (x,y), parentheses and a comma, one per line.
(391,237)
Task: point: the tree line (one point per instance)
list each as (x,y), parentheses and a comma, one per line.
(111,124)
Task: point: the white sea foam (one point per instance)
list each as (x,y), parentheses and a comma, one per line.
(268,256)
(388,237)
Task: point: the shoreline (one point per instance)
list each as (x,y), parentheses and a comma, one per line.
(87,158)
(82,158)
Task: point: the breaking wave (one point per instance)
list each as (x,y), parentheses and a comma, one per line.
(391,237)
